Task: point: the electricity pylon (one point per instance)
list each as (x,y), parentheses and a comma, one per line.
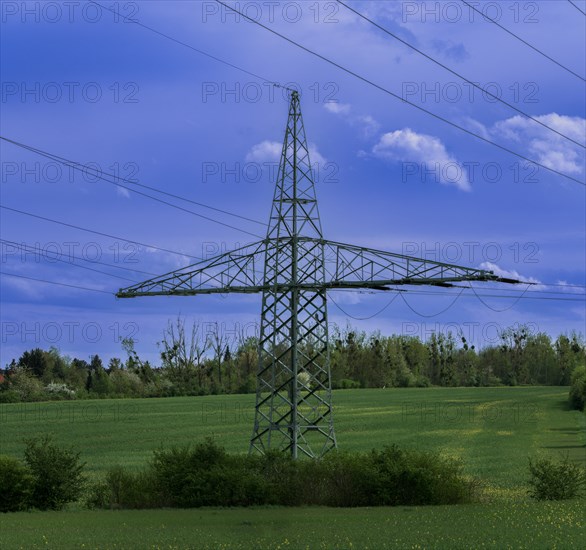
(293,393)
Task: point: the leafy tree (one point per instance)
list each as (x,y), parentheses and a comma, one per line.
(441,352)
(466,364)
(578,388)
(247,362)
(540,360)
(98,380)
(25,384)
(35,361)
(513,343)
(570,353)
(416,356)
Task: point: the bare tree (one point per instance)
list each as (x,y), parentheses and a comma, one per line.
(183,353)
(219,344)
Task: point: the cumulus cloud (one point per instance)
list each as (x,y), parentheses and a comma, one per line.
(546,147)
(270,151)
(337,108)
(428,151)
(265,151)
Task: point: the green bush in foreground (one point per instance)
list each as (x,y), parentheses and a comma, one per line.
(16,484)
(57,474)
(555,479)
(205,475)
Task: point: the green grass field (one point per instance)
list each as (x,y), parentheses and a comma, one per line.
(493,430)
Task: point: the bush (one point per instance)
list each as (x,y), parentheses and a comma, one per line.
(339,479)
(410,477)
(555,479)
(282,478)
(9,396)
(16,482)
(123,489)
(59,391)
(57,473)
(205,475)
(578,388)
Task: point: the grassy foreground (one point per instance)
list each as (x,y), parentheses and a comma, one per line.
(529,525)
(493,430)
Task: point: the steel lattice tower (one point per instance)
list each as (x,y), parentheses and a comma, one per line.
(293,398)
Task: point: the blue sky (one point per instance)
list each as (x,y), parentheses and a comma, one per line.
(82,83)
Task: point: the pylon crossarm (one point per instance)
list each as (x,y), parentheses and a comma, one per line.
(350,266)
(239,270)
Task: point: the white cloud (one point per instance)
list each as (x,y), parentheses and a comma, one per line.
(265,151)
(337,108)
(545,146)
(270,151)
(512,274)
(409,146)
(560,286)
(315,156)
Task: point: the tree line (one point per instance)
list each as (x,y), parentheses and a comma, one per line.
(193,363)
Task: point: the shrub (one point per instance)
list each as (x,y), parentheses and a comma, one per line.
(282,477)
(9,396)
(578,388)
(123,489)
(59,391)
(57,473)
(411,477)
(555,479)
(339,479)
(16,482)
(205,475)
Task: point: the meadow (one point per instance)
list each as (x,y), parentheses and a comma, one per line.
(493,430)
